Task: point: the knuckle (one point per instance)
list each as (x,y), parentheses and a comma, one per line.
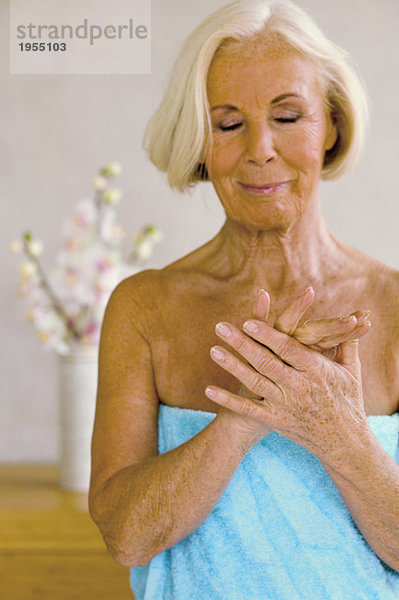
(265,364)
(256,383)
(245,408)
(241,343)
(286,348)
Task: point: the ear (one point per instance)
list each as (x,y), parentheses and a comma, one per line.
(331,131)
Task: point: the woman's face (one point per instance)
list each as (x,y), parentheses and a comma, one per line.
(270,132)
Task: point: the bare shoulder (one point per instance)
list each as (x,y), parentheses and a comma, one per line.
(383,282)
(390,304)
(158,301)
(378,283)
(178,275)
(381,295)
(390,280)
(136,297)
(385,323)
(138,285)
(151,288)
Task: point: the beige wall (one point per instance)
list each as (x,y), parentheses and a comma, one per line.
(57,130)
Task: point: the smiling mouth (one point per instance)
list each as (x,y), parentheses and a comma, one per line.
(264,188)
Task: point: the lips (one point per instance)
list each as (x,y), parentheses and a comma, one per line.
(264,188)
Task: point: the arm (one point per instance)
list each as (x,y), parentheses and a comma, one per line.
(368,480)
(318,404)
(144,503)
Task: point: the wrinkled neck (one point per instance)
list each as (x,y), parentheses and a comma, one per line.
(276,259)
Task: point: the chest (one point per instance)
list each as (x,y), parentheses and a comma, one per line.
(183,367)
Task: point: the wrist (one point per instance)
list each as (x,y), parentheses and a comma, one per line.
(352,454)
(240,429)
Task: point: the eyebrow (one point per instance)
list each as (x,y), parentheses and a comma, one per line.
(274,101)
(289,95)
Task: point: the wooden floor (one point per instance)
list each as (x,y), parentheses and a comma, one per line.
(49,547)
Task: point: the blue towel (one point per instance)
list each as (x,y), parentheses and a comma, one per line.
(280,531)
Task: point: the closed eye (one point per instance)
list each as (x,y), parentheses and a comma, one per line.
(287,120)
(229,127)
(277,119)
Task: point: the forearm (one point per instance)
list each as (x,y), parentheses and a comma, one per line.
(368,480)
(146,508)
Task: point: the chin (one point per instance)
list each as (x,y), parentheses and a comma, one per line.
(268,216)
(267,223)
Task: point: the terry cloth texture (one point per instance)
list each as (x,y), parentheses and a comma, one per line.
(280,531)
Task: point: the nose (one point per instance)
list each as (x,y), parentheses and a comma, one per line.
(260,146)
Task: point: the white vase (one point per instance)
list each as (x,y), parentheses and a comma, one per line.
(77,379)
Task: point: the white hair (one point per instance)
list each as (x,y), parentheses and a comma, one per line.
(175,136)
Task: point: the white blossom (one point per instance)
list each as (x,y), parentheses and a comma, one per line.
(35,248)
(67,305)
(27,270)
(99,183)
(144,249)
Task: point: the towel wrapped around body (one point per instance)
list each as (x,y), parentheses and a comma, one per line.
(280,531)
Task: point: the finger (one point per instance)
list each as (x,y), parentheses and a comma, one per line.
(317,330)
(359,331)
(287,348)
(244,391)
(239,404)
(348,357)
(288,321)
(262,359)
(336,329)
(262,306)
(362,315)
(254,381)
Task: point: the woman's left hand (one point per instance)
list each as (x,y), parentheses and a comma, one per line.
(308,398)
(323,335)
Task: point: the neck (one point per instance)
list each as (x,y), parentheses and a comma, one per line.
(286,260)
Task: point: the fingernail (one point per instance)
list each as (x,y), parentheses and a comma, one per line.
(363,323)
(304,294)
(348,319)
(210,392)
(364,317)
(264,291)
(223,329)
(250,326)
(217,353)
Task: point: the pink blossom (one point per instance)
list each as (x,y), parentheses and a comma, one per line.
(68,305)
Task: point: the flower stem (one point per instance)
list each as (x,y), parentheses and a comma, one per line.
(55,301)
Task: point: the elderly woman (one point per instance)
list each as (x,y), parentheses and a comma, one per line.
(245,443)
